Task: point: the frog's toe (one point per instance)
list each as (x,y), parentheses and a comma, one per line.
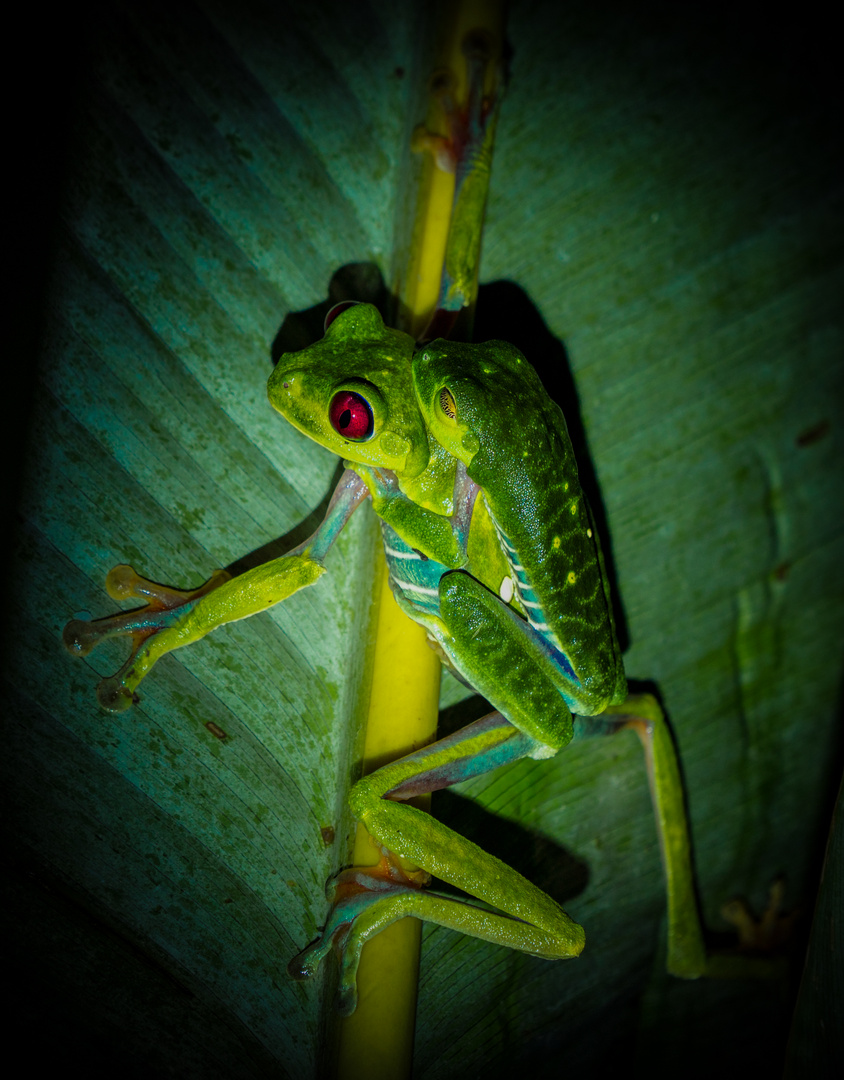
(114,696)
(347,998)
(80,636)
(364,899)
(304,965)
(761,949)
(122,583)
(339,937)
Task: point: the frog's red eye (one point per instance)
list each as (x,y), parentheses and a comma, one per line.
(351,416)
(337,310)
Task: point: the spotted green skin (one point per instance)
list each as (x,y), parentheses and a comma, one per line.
(513,440)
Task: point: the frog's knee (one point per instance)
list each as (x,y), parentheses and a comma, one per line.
(364,795)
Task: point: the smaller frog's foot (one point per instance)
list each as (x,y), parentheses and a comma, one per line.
(442,148)
(767,933)
(466,124)
(365,900)
(759,951)
(163,607)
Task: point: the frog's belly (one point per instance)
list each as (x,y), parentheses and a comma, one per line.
(414,578)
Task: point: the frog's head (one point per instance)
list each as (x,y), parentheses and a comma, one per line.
(352,393)
(472,396)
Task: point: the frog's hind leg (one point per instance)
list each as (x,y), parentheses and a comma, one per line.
(641,713)
(688,956)
(367,899)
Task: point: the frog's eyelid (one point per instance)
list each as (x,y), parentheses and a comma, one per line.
(338,309)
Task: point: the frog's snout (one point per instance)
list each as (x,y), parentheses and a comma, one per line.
(285,384)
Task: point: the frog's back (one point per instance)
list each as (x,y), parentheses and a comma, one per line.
(526,468)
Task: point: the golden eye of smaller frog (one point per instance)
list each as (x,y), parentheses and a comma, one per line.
(447,403)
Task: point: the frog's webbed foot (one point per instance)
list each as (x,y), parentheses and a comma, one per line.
(759,950)
(364,899)
(163,607)
(467,123)
(770,930)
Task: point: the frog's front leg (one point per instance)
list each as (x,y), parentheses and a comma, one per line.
(173,617)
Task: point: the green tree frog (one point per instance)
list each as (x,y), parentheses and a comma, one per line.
(491,547)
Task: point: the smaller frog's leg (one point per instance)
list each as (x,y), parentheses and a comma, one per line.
(173,617)
(366,899)
(467,152)
(688,956)
(642,714)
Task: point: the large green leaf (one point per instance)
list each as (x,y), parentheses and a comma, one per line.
(665,205)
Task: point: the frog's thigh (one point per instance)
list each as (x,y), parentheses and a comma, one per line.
(496,653)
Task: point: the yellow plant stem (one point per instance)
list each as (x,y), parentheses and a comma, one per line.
(376,1041)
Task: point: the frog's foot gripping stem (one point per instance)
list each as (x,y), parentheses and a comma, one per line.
(365,900)
(163,607)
